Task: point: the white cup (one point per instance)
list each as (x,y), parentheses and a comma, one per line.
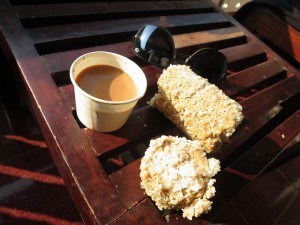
(98,114)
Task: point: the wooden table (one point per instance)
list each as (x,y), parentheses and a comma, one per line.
(101,170)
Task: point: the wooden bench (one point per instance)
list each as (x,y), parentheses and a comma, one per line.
(101,170)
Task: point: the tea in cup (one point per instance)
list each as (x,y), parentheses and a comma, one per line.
(107,86)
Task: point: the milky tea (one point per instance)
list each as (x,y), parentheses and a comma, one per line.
(107,87)
(107,83)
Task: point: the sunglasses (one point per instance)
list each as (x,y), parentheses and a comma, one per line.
(155,45)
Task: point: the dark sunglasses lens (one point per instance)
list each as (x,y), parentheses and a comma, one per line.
(209,63)
(154,45)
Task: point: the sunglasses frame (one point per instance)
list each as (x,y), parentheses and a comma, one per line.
(215,73)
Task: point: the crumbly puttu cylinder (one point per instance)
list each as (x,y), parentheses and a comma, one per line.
(198,108)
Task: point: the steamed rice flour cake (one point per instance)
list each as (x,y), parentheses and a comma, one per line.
(198,108)
(176,174)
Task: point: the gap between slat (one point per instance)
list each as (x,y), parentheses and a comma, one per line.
(54,14)
(63,37)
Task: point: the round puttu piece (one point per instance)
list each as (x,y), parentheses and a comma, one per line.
(176,174)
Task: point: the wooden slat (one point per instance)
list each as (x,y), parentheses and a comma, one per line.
(107,8)
(277,31)
(67,92)
(175,218)
(145,213)
(275,95)
(61,61)
(129,188)
(240,54)
(208,38)
(108,28)
(253,76)
(258,110)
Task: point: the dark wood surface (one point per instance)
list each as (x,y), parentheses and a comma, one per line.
(267,25)
(101,170)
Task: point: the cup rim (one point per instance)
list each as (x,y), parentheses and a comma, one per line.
(102,100)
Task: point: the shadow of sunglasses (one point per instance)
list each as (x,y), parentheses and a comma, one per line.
(155,45)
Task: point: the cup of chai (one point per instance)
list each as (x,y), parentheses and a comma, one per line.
(107,86)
